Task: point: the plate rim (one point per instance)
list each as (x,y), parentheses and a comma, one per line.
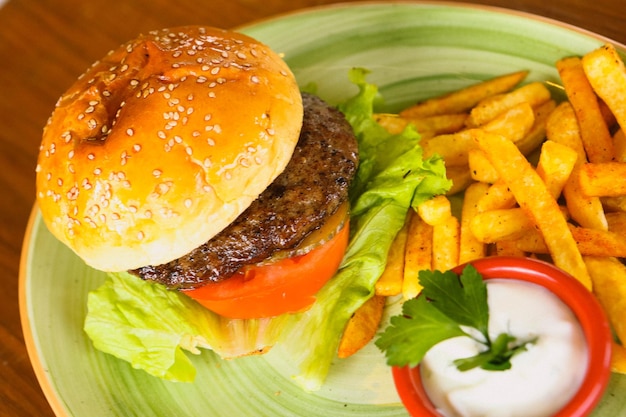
(36,358)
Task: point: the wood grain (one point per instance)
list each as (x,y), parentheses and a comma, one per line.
(46,44)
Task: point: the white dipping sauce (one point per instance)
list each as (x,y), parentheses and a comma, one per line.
(541,380)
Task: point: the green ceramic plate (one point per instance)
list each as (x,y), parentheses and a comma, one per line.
(414,50)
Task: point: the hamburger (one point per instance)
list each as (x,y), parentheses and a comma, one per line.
(190,157)
(188,165)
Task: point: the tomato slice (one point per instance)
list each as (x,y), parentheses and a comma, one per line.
(288,285)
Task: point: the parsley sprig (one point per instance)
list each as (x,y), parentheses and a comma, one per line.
(448,305)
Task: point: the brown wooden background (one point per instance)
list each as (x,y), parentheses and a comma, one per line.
(46,44)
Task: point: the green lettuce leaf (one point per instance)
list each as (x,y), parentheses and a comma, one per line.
(392,177)
(149,326)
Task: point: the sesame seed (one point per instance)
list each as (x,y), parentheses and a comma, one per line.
(72,194)
(189,150)
(157,173)
(136,147)
(130,131)
(254,79)
(140,235)
(97,171)
(70,154)
(91,156)
(188,202)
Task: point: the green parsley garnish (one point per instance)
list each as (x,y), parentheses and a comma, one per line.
(447,306)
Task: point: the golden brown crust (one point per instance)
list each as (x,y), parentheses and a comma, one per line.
(164,142)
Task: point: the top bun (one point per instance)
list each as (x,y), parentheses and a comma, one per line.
(163,143)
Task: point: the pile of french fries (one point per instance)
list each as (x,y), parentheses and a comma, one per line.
(538,178)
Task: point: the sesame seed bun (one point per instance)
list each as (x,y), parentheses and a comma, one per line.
(163,143)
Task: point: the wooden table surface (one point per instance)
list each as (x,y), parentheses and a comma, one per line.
(46,44)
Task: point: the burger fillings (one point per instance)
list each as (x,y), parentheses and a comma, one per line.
(165,143)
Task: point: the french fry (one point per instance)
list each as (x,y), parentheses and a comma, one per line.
(594,131)
(611,204)
(618,358)
(480,167)
(599,242)
(418,254)
(439,124)
(462,100)
(497,197)
(460,177)
(471,248)
(537,134)
(392,122)
(609,285)
(606,179)
(435,211)
(362,326)
(607,75)
(514,123)
(617,222)
(534,94)
(619,146)
(590,242)
(556,162)
(390,282)
(508,247)
(446,237)
(453,147)
(494,225)
(562,127)
(535,199)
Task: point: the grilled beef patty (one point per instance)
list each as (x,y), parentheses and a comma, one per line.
(310,189)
